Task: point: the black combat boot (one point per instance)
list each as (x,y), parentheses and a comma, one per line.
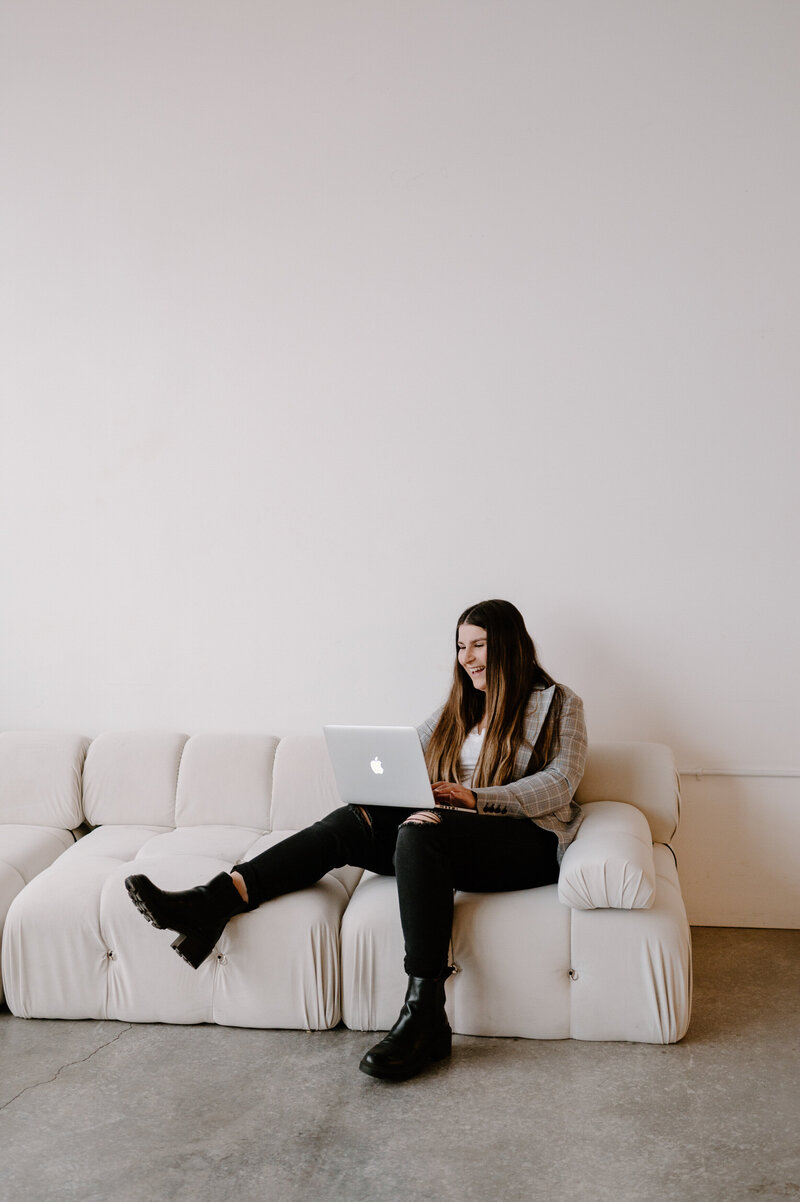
(421,1034)
(198,915)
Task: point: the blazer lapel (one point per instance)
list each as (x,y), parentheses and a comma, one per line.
(538,707)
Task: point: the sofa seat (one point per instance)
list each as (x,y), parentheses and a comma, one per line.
(530,965)
(81,950)
(40,806)
(77,948)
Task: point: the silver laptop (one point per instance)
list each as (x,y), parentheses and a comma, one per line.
(379,766)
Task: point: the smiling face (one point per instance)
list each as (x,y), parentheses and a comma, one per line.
(472,654)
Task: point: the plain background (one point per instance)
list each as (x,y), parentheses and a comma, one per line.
(323,319)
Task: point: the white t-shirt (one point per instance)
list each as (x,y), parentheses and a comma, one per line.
(470,750)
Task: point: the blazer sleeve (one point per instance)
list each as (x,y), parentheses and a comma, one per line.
(427,728)
(552,789)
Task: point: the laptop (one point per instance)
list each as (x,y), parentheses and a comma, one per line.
(379,766)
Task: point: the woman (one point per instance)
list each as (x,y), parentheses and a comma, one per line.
(505,755)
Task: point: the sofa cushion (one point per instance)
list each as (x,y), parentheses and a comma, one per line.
(28,850)
(643,774)
(304,789)
(610,861)
(631,970)
(226,778)
(75,947)
(40,778)
(132,778)
(531,967)
(512,951)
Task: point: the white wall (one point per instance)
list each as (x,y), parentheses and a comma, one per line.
(322,320)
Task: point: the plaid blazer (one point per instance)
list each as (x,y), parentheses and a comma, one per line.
(546,797)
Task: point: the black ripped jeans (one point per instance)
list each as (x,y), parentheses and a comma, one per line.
(478,853)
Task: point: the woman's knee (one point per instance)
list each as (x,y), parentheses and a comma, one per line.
(422,818)
(348,825)
(418,838)
(361,815)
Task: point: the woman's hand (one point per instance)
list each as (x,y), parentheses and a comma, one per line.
(448,794)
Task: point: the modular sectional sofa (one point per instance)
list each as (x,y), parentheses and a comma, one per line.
(604,955)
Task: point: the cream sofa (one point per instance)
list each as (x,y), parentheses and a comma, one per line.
(604,955)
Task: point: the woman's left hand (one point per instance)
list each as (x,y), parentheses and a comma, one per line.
(448,794)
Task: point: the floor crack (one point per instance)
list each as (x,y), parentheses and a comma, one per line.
(64,1067)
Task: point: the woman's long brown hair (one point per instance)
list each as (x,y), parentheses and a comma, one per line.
(512,673)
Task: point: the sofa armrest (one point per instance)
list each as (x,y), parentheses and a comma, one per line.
(609,864)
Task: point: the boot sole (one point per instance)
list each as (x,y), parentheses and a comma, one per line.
(142,905)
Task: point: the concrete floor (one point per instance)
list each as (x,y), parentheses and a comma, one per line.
(94,1111)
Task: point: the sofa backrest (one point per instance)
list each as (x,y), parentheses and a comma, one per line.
(130,778)
(162,778)
(168,779)
(40,778)
(173,780)
(304,789)
(226,780)
(643,774)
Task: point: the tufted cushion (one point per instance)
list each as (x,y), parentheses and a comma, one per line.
(304,789)
(74,946)
(631,970)
(132,778)
(226,778)
(512,950)
(40,778)
(609,864)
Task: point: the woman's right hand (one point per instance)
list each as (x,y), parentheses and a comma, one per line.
(448,793)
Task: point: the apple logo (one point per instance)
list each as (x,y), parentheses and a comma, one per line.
(376,766)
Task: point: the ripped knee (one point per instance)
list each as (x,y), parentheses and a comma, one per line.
(422,818)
